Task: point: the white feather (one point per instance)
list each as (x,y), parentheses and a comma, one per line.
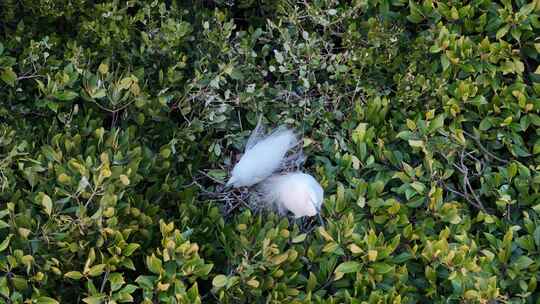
(296,192)
(263,156)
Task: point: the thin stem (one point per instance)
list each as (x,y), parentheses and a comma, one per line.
(479,143)
(212,178)
(105,277)
(30,77)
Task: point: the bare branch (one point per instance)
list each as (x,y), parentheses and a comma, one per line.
(486,151)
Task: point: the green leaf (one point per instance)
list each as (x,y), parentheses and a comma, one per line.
(9,77)
(146,282)
(97,270)
(236,74)
(117,281)
(19,282)
(53,106)
(154,264)
(129,288)
(516,33)
(382,268)
(445,62)
(536,236)
(99,94)
(47,204)
(535,119)
(434,49)
(5,242)
(204,270)
(103,68)
(193,293)
(94,300)
(523,262)
(299,238)
(130,249)
(219,281)
(4,288)
(485,124)
(415,15)
(46,300)
(312,282)
(66,95)
(416,143)
(74,275)
(405,135)
(502,31)
(419,187)
(128,263)
(218,174)
(437,123)
(348,267)
(526,10)
(125,83)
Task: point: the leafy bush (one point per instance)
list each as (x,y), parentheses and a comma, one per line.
(118,119)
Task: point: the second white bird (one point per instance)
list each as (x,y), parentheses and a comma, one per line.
(296,192)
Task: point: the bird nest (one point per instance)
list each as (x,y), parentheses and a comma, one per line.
(231,200)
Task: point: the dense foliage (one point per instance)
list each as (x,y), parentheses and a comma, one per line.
(118,119)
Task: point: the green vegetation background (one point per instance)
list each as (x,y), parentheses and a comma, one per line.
(420,120)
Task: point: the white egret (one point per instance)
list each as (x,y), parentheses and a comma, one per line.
(263,156)
(296,192)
